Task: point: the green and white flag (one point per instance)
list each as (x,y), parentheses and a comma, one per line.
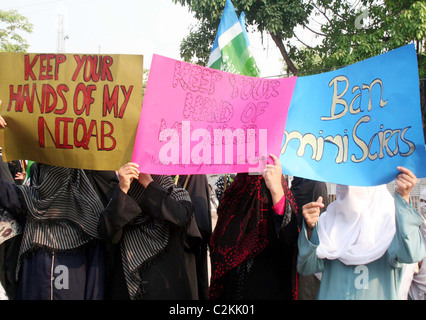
(230,50)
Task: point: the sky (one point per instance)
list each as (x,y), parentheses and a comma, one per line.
(123,27)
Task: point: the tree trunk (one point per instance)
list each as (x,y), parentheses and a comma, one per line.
(279,42)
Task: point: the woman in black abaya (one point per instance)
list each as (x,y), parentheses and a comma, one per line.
(253,246)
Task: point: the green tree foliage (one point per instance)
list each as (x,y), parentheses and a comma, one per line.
(11,26)
(277,17)
(357,30)
(350,30)
(363,29)
(347,31)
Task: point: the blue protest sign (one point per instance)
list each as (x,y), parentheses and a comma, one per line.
(355,125)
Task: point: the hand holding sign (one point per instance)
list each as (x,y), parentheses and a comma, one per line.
(145,179)
(405,181)
(273,174)
(311,212)
(126,174)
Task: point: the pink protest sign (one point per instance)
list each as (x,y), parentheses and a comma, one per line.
(197,120)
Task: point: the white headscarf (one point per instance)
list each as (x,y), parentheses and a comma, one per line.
(359,226)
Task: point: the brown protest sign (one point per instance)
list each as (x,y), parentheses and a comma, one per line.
(70,110)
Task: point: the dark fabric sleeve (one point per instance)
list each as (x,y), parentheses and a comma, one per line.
(287,235)
(158,203)
(9,253)
(284,226)
(198,189)
(5,172)
(120,210)
(9,197)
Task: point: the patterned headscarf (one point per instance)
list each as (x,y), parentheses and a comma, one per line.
(62,206)
(240,231)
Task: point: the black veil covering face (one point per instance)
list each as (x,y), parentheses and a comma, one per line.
(199,190)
